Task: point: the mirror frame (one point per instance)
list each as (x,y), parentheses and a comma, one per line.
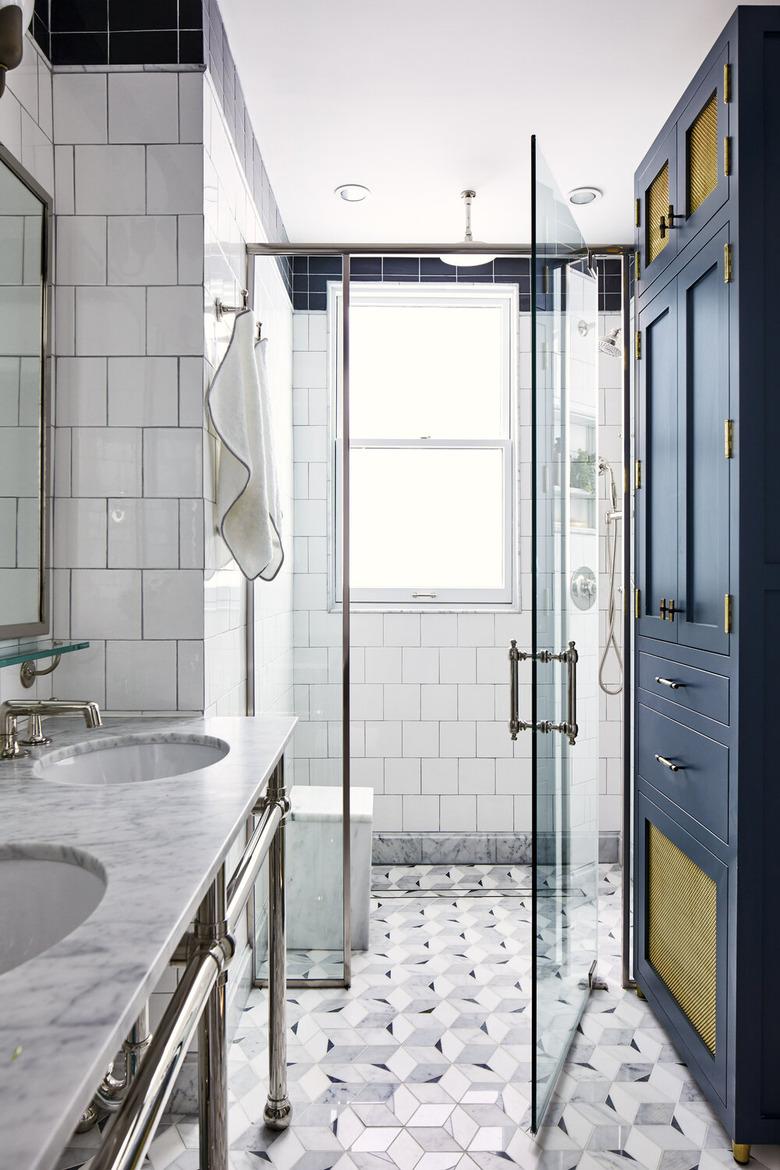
(41,625)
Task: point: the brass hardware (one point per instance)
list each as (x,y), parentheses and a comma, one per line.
(637,212)
(657,203)
(728,259)
(639,993)
(637,266)
(727,155)
(662,609)
(637,598)
(728,613)
(728,438)
(670,764)
(740,1150)
(673,609)
(638,474)
(668,682)
(682,931)
(726,83)
(702,155)
(667,221)
(638,344)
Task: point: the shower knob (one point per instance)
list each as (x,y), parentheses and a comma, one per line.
(583,587)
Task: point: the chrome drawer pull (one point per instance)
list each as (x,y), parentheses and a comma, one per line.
(669,682)
(669,764)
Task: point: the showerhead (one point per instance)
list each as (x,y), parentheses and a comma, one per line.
(606,469)
(612,343)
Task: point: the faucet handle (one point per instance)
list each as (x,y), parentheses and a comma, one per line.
(35,736)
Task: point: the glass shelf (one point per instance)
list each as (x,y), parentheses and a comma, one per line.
(39,648)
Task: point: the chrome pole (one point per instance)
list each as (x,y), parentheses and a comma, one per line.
(346,615)
(278,1111)
(211,929)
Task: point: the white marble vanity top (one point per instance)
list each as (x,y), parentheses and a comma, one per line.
(64,1013)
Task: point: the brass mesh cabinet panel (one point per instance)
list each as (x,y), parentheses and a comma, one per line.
(682,931)
(702,155)
(657,201)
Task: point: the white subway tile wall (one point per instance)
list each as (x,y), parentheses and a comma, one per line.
(429,693)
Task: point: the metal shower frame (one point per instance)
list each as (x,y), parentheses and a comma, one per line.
(345,251)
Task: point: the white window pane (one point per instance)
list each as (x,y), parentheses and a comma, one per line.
(427,519)
(427,369)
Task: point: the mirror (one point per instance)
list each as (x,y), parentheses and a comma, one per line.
(25,215)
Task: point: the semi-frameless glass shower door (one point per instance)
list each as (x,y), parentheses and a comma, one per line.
(565,630)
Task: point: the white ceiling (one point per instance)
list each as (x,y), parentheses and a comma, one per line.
(418,99)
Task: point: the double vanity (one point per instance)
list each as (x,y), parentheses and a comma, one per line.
(113,842)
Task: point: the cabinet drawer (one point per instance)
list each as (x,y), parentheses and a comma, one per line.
(697,780)
(696,690)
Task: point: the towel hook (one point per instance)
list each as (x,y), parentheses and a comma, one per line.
(220,308)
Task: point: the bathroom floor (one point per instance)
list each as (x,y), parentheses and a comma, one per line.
(424,1063)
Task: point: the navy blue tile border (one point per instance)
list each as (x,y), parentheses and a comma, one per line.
(120,32)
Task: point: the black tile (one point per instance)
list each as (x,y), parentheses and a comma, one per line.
(143,48)
(512,266)
(142,15)
(300,263)
(325,265)
(466,275)
(40,32)
(318,284)
(475,270)
(79,48)
(443,278)
(317,302)
(79,16)
(300,300)
(434,266)
(525,302)
(41,9)
(300,282)
(190,13)
(367,266)
(191,47)
(394,267)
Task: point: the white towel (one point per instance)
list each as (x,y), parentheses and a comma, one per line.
(248,512)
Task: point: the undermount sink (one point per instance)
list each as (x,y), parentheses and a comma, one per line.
(108,763)
(46,891)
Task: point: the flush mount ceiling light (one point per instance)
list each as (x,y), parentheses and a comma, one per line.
(15,19)
(582,195)
(464,260)
(352,192)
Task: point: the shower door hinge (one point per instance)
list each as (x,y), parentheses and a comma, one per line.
(637,597)
(728,613)
(637,265)
(638,474)
(637,212)
(728,438)
(727,83)
(727,155)
(728,263)
(638,344)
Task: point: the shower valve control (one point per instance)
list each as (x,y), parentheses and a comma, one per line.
(570,657)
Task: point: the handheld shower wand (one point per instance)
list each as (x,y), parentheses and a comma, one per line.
(613,517)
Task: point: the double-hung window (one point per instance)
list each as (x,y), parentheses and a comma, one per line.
(431,394)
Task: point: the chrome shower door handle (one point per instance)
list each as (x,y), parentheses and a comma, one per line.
(514,690)
(572,658)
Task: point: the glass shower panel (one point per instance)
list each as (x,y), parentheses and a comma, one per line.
(310,616)
(565,636)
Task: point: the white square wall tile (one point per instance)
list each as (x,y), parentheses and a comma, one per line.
(191,107)
(388,813)
(420,738)
(142,249)
(494,814)
(143,391)
(106,461)
(438,701)
(457,739)
(190,249)
(105,603)
(81,249)
(110,321)
(420,664)
(477,777)
(420,814)
(174,322)
(190,659)
(110,180)
(80,392)
(84,672)
(476,701)
(79,531)
(402,701)
(458,814)
(458,665)
(173,461)
(143,107)
(383,664)
(402,629)
(173,603)
(310,370)
(493,739)
(141,676)
(439,776)
(80,107)
(383,738)
(174,179)
(143,534)
(402,776)
(439,629)
(475,629)
(64,194)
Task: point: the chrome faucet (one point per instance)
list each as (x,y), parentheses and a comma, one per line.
(36,710)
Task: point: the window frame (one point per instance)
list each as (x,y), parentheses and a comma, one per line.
(506,298)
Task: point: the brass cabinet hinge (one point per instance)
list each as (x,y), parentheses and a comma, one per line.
(727,83)
(728,263)
(637,212)
(728,613)
(637,595)
(638,474)
(638,344)
(637,265)
(727,155)
(728,438)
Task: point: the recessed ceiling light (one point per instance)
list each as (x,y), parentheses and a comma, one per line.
(581,195)
(352,192)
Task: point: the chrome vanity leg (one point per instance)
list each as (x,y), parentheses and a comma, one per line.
(210,927)
(278,1111)
(136,1044)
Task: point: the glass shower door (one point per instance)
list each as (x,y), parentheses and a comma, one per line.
(565,631)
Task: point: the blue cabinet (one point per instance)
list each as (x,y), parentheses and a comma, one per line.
(707,560)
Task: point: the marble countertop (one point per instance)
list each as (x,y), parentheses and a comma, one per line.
(64,1014)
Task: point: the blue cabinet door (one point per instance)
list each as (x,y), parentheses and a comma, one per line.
(657,451)
(705,462)
(655,192)
(704,153)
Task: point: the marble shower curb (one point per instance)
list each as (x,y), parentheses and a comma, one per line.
(470,848)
